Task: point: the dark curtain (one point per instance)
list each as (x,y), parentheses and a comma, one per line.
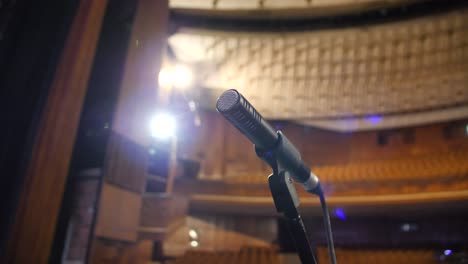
(32,36)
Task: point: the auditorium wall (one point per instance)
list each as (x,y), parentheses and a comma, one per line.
(224,152)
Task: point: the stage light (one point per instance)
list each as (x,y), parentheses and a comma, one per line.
(447,252)
(182,76)
(166,78)
(151,151)
(192,105)
(409,227)
(339,213)
(194,243)
(178,76)
(163,126)
(193,234)
(373,119)
(405,227)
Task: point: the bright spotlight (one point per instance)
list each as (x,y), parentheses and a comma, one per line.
(182,76)
(194,243)
(163,126)
(193,234)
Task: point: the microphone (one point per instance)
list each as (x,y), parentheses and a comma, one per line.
(237,110)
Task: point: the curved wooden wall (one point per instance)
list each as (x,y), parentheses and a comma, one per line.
(225,154)
(414,163)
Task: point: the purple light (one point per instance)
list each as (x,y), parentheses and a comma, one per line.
(373,119)
(447,252)
(339,213)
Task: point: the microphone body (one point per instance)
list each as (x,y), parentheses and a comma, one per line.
(236,109)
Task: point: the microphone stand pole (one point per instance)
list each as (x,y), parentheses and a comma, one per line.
(286,202)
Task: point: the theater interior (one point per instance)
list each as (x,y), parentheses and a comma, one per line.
(113,151)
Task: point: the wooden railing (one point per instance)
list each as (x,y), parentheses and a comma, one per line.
(247,255)
(381,256)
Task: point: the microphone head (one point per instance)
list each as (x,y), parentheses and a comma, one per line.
(235,108)
(228,101)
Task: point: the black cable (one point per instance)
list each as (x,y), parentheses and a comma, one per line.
(326,221)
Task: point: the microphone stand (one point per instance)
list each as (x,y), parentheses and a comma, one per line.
(286,202)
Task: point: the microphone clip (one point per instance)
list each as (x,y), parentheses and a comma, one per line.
(286,200)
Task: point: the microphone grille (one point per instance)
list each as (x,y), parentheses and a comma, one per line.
(227,101)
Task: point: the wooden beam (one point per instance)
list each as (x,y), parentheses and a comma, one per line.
(126,161)
(137,96)
(39,205)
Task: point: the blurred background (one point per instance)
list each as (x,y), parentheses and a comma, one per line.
(112,150)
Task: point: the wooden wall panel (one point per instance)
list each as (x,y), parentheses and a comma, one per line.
(39,206)
(211,146)
(160,210)
(127,163)
(322,147)
(239,155)
(429,139)
(119,214)
(363,146)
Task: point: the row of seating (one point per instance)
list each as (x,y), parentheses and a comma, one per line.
(449,165)
(454,164)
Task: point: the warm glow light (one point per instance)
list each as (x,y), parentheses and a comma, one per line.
(166,78)
(178,76)
(193,234)
(182,76)
(163,126)
(194,243)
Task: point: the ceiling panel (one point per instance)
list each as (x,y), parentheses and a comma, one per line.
(390,69)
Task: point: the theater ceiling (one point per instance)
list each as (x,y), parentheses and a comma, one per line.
(371,76)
